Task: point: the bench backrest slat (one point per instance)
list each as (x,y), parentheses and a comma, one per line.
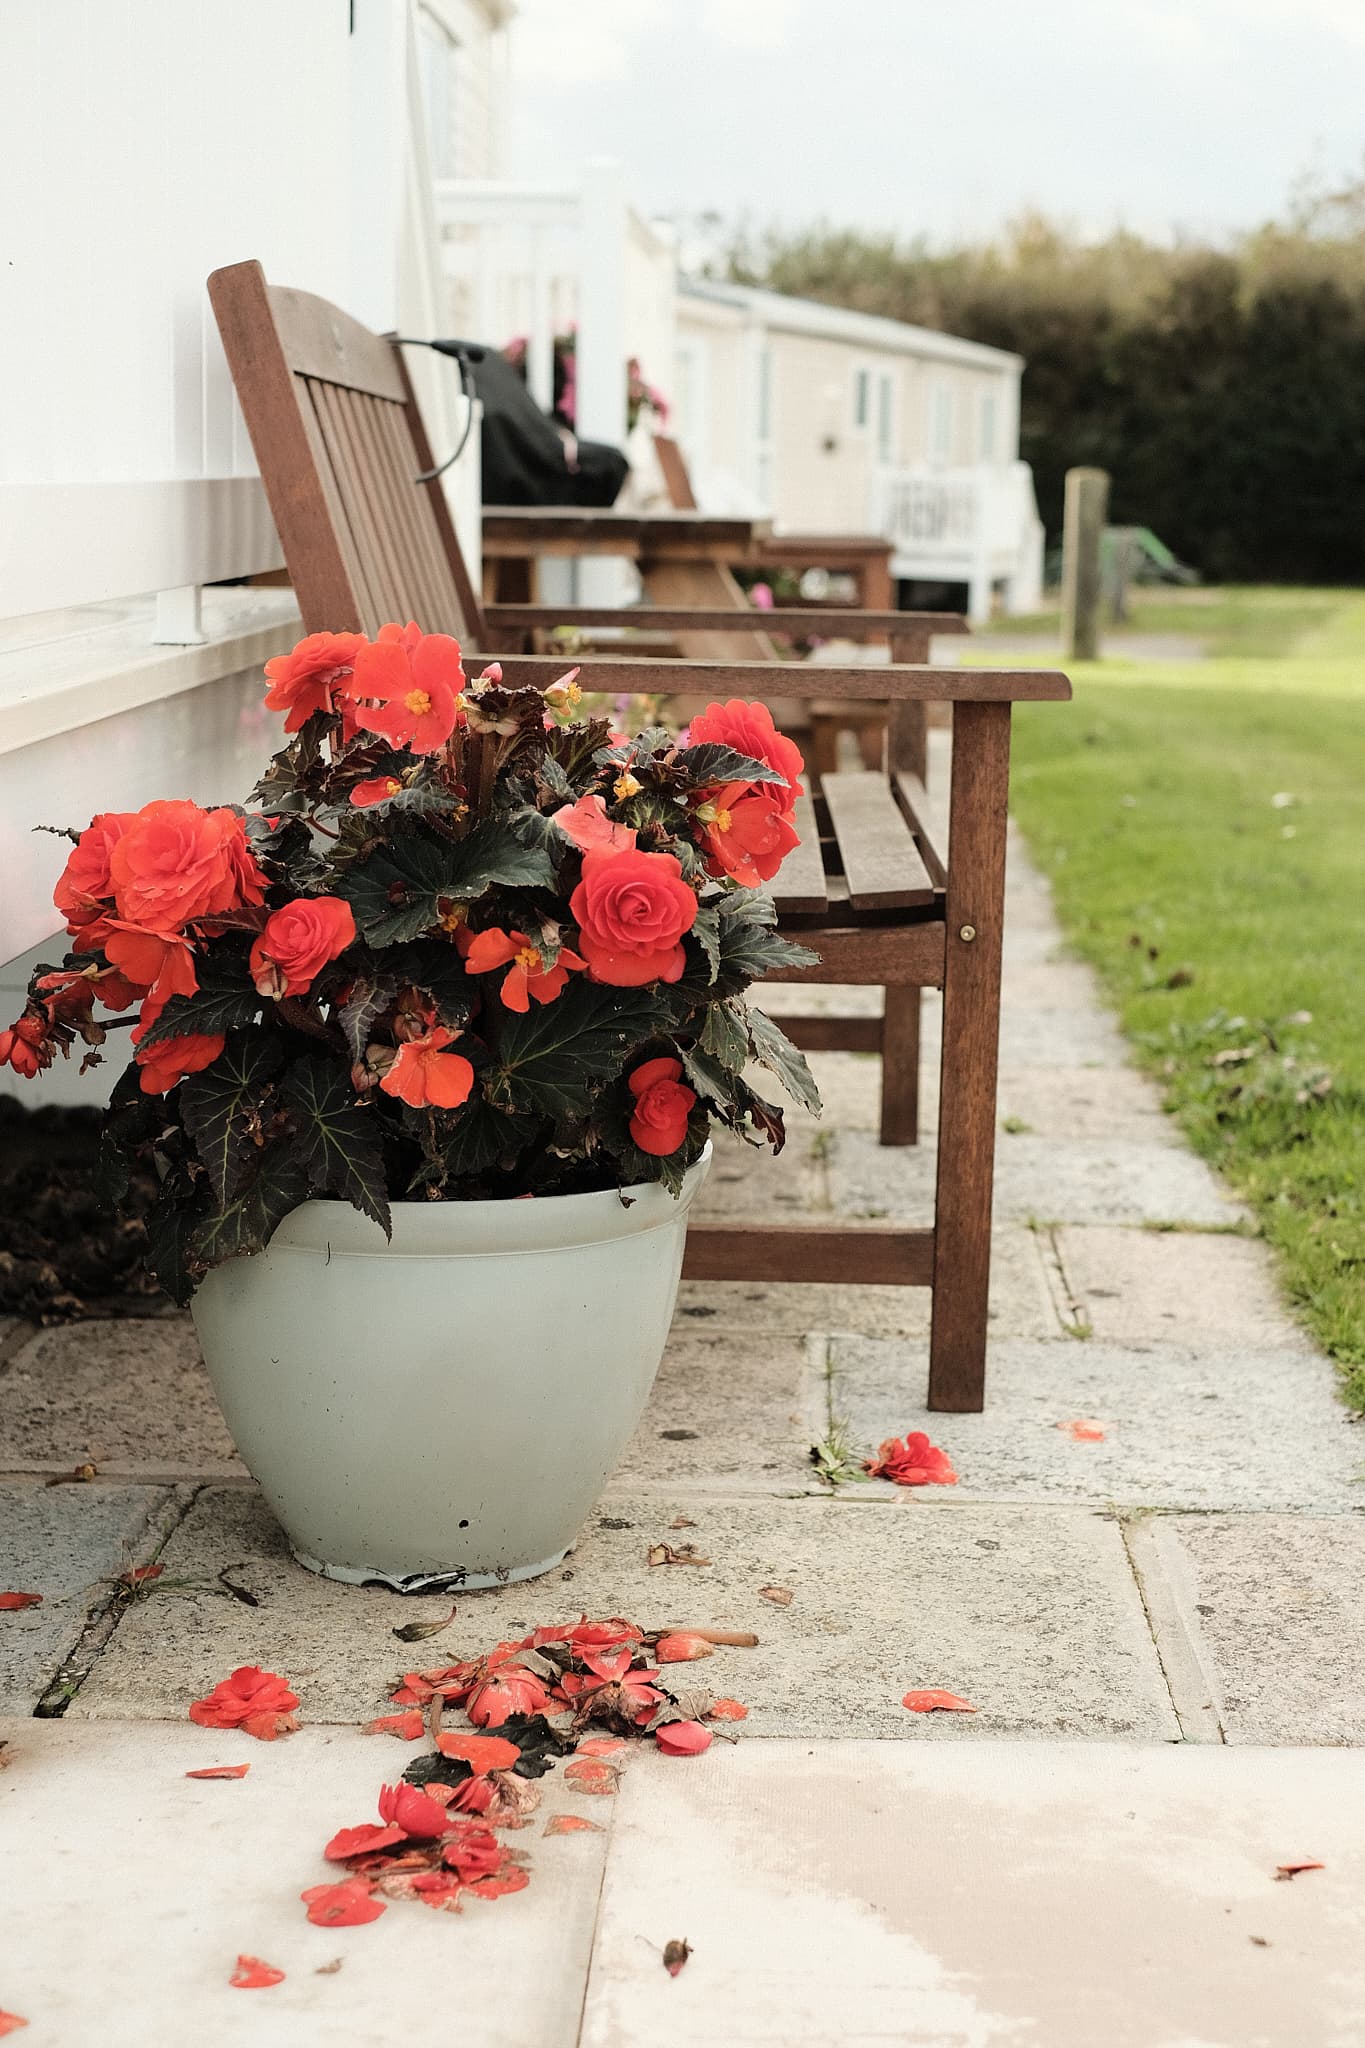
(340,444)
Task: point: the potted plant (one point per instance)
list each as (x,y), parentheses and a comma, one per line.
(427,1049)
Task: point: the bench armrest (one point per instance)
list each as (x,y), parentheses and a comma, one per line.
(895,683)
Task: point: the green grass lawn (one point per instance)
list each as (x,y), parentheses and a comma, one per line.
(1203,826)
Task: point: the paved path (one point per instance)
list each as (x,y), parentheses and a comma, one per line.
(1163,1633)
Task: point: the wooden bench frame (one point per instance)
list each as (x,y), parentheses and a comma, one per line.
(340,443)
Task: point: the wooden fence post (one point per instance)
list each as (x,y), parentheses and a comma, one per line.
(1087,501)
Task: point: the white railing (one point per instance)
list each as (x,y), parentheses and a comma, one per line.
(537,260)
(977,526)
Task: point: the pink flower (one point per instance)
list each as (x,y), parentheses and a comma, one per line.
(586,823)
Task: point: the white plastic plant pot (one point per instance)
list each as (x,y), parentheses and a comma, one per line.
(442,1410)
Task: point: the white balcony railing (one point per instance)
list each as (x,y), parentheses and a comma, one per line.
(976,526)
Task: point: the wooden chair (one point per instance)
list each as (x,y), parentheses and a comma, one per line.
(340,443)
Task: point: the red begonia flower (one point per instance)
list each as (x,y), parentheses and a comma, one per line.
(221,1771)
(251,1974)
(312,677)
(746,831)
(407,1727)
(257,1701)
(586,823)
(362,1841)
(426,1075)
(26,1046)
(749,729)
(10,1603)
(528,975)
(632,910)
(408,1807)
(159,961)
(913,1462)
(161,1065)
(342,1905)
(377,790)
(935,1701)
(175,863)
(509,1690)
(84,888)
(298,941)
(683,1738)
(481,1752)
(416,678)
(663,1103)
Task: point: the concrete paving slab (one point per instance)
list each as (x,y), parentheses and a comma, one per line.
(1277,1601)
(731,1415)
(66,1543)
(1077,1180)
(130,1396)
(1105,1103)
(1186,1425)
(748,1183)
(1020,1302)
(1049,985)
(1136,1285)
(997,1895)
(1033,1614)
(206,1871)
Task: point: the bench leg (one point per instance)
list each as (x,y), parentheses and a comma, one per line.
(900,1067)
(971,1032)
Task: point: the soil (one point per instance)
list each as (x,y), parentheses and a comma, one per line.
(65,1256)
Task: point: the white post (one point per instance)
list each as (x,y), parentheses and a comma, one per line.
(178,622)
(600,412)
(540,333)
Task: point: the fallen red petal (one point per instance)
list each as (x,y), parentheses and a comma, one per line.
(251,1974)
(361,1841)
(936,1702)
(1288,1870)
(602,1745)
(571,1824)
(495,1886)
(683,1738)
(727,1710)
(341,1905)
(588,1775)
(682,1649)
(483,1753)
(221,1771)
(10,2023)
(141,1574)
(407,1727)
(1083,1431)
(10,1603)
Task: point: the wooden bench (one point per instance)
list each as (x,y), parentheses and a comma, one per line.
(340,443)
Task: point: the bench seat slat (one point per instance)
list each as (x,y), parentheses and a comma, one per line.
(799,884)
(877,853)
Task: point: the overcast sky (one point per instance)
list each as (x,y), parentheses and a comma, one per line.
(947,117)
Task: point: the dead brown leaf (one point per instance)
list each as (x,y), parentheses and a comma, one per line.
(329,1969)
(664,1553)
(418,1631)
(682,1522)
(1285,1871)
(781,1596)
(80,1475)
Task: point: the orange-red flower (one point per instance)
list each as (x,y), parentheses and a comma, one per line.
(310,677)
(342,1905)
(377,790)
(746,832)
(257,1701)
(174,863)
(161,962)
(426,1075)
(298,941)
(749,729)
(84,889)
(663,1104)
(25,1046)
(912,1462)
(586,823)
(408,1807)
(416,678)
(632,910)
(527,974)
(170,1059)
